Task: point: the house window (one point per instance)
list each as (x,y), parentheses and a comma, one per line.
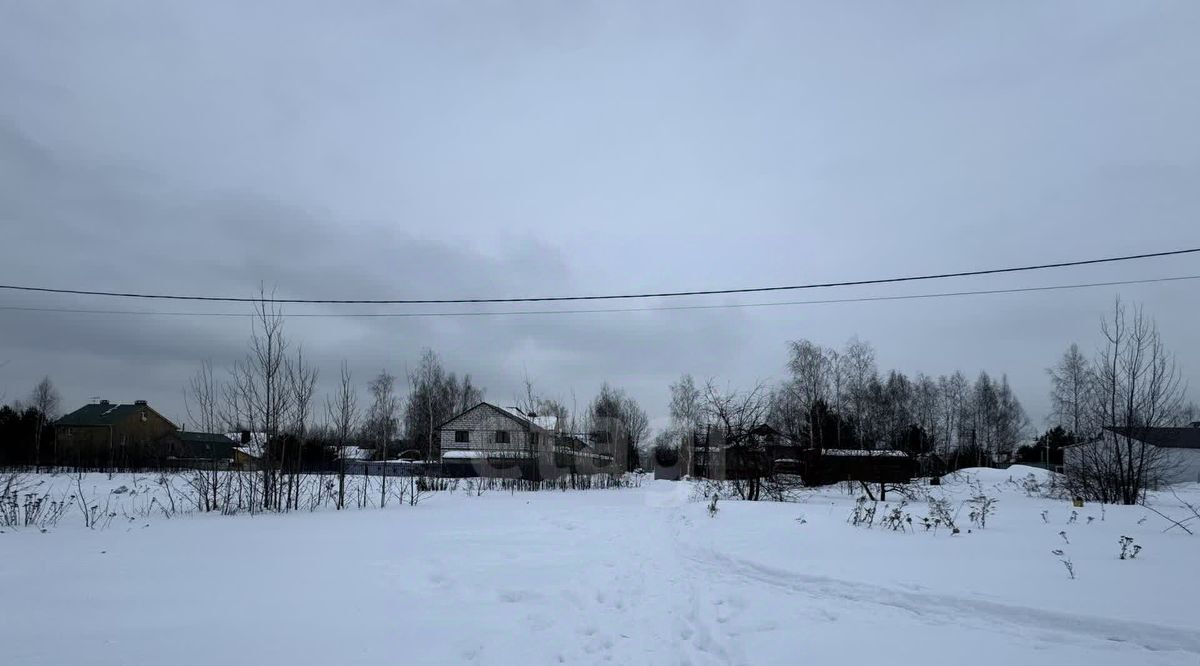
(462,436)
(502,437)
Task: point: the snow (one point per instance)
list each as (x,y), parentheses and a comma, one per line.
(989,476)
(252,448)
(545,422)
(631,576)
(463,455)
(355,453)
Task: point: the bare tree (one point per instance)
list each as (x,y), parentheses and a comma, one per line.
(926,397)
(342,412)
(838,371)
(431,401)
(302,386)
(1136,387)
(731,416)
(382,421)
(466,395)
(1070,386)
(302,382)
(202,398)
(260,395)
(614,414)
(953,396)
(860,373)
(202,403)
(45,399)
(789,413)
(553,408)
(687,417)
(810,368)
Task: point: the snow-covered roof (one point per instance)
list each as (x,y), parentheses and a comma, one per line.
(354,453)
(543,422)
(254,447)
(515,412)
(459,454)
(868,453)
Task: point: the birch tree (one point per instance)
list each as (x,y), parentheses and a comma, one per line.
(860,373)
(44,398)
(1070,388)
(382,421)
(686,417)
(809,366)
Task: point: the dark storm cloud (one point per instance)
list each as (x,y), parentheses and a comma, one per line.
(399,150)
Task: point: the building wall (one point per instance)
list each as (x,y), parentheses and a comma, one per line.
(1184,466)
(483,422)
(546,458)
(1179,465)
(131,441)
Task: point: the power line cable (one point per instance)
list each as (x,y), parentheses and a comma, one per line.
(665,294)
(723,306)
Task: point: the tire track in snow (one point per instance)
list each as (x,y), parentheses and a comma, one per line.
(949,608)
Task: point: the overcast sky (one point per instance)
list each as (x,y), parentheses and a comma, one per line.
(477,149)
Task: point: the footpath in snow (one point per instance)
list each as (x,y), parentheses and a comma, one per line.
(631,576)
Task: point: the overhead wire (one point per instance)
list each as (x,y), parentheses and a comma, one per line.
(664,308)
(642,295)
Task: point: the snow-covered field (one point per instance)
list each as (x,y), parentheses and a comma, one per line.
(631,576)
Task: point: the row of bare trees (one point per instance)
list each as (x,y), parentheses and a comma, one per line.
(26,433)
(271,393)
(839,399)
(1110,404)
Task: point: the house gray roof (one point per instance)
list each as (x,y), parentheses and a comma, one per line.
(204,444)
(1167,438)
(204,438)
(100,414)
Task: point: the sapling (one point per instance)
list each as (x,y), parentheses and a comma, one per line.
(712,506)
(1073,518)
(1090,519)
(1045,517)
(1063,534)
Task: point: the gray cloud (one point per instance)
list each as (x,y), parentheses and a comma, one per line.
(519,148)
